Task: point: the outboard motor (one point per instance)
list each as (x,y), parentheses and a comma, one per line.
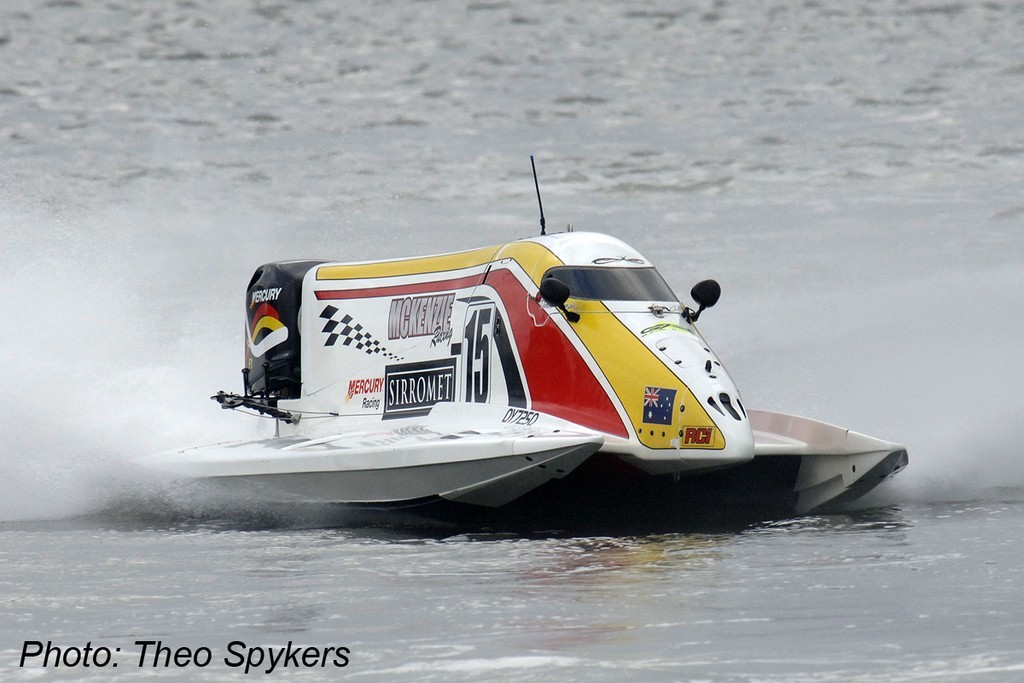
(272,345)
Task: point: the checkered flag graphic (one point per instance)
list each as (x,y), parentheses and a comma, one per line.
(352,333)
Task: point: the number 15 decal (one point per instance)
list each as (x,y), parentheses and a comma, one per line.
(479,332)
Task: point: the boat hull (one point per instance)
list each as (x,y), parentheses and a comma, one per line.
(469,456)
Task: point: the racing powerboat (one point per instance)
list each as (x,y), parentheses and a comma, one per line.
(478,377)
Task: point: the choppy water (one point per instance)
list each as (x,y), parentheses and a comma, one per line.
(850,172)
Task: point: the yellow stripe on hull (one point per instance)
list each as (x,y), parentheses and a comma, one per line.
(413,266)
(534,259)
(631,368)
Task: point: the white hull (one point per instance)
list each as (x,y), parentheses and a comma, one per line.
(480,461)
(836,464)
(464,456)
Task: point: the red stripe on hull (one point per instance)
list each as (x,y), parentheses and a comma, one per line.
(399,290)
(560,381)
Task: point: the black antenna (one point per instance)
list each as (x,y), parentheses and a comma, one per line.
(539,203)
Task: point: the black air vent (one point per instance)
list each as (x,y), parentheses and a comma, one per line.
(727,402)
(714,404)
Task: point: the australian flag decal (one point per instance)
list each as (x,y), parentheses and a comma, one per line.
(658,404)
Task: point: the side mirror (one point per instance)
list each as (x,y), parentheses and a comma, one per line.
(556,293)
(706,293)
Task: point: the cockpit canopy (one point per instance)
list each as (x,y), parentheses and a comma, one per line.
(613,284)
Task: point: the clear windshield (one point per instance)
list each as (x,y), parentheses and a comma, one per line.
(613,284)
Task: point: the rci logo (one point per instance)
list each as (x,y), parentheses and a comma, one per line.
(697,436)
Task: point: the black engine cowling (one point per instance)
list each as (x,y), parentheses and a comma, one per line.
(272,346)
